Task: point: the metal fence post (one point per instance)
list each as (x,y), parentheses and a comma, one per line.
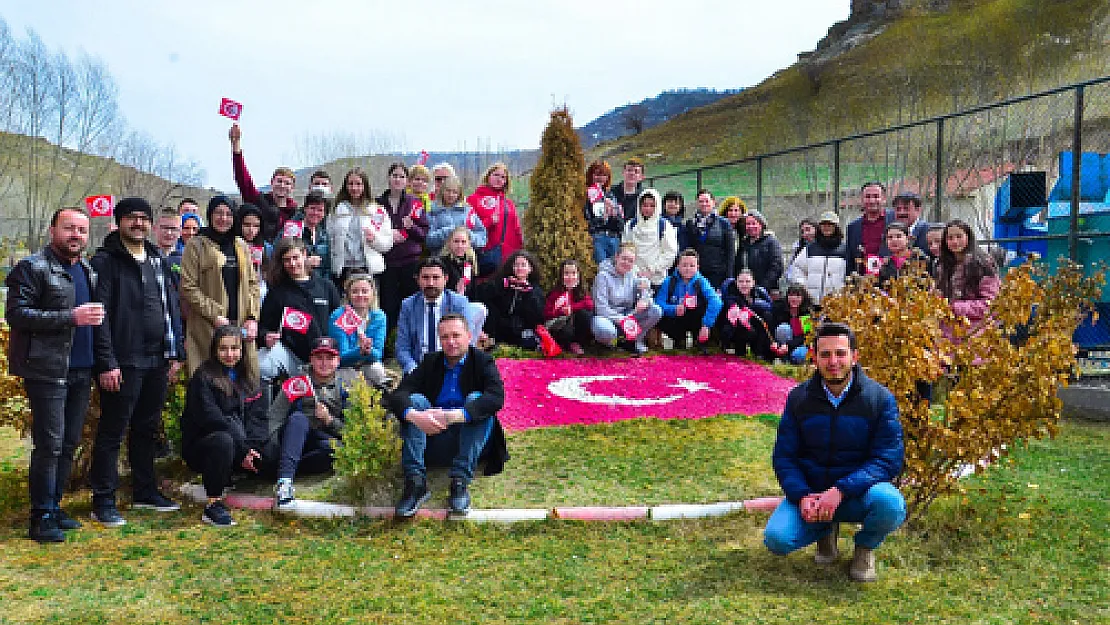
(835,195)
(937,206)
(759,184)
(1076,169)
(699,186)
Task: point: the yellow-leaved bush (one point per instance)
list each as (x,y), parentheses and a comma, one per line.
(371,448)
(994,383)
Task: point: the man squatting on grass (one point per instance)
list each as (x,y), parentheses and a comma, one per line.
(448,411)
(838,448)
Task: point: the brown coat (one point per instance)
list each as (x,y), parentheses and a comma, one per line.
(202,289)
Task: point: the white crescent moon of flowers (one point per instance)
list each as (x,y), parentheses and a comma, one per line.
(575,388)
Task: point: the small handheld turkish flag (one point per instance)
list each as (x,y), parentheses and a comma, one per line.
(100,205)
(230,108)
(257,252)
(423,160)
(595,193)
(874,264)
(298,387)
(295,320)
(349,321)
(293,229)
(561,302)
(733,314)
(630,327)
(690,301)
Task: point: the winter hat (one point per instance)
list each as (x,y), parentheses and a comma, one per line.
(129,205)
(758,217)
(831,217)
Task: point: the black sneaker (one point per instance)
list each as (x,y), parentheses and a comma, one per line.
(217,514)
(416,493)
(458,498)
(65,521)
(44,529)
(108,516)
(157,502)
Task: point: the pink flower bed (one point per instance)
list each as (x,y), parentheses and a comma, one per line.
(543,393)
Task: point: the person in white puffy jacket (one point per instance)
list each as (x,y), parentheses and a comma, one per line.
(823,264)
(655,239)
(359,229)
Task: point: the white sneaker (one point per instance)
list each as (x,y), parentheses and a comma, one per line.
(284,495)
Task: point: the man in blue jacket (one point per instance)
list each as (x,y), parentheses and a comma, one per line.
(839,447)
(421,312)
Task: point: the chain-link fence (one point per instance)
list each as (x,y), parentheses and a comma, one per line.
(957,163)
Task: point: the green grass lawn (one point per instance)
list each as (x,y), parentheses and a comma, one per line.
(1027,543)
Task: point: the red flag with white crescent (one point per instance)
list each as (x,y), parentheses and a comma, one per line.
(298,387)
(230,108)
(595,193)
(417,208)
(256,254)
(349,321)
(295,320)
(874,264)
(293,229)
(630,327)
(423,160)
(100,205)
(690,301)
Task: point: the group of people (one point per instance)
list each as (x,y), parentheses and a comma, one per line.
(274,309)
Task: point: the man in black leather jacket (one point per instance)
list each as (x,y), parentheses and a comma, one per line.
(53,317)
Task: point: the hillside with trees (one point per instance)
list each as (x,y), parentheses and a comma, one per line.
(891,62)
(62,138)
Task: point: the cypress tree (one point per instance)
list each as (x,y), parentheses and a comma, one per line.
(554,224)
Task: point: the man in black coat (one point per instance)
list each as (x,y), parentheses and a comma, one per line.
(140,349)
(53,318)
(448,411)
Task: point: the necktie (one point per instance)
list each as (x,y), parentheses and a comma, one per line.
(431,327)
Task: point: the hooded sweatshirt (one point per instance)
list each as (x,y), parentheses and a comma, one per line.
(615,296)
(498,215)
(656,240)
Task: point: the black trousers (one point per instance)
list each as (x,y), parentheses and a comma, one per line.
(740,338)
(213,456)
(690,321)
(396,283)
(57,418)
(137,404)
(577,331)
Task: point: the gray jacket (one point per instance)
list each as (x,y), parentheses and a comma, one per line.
(615,296)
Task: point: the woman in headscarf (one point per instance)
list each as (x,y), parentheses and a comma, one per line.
(220,285)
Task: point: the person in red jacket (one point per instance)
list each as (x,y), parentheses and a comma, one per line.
(277,205)
(498,214)
(569,310)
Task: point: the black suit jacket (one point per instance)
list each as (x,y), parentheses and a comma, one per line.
(479,373)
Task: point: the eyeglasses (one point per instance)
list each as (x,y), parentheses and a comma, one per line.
(441,178)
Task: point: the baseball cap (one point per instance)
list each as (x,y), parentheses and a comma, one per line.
(908,195)
(325,344)
(830,217)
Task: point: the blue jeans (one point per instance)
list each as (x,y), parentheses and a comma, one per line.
(605,246)
(458,447)
(881,510)
(57,417)
(303,447)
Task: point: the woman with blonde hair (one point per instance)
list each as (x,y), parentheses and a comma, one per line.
(450,211)
(358,328)
(358,229)
(498,214)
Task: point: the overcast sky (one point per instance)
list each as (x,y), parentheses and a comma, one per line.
(437,75)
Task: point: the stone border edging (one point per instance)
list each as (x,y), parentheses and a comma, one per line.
(325,510)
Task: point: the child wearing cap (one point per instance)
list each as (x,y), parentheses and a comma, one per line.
(306,418)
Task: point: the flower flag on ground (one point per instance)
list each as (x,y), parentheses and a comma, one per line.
(298,387)
(630,327)
(295,320)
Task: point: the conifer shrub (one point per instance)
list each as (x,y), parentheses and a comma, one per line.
(371,450)
(994,384)
(554,225)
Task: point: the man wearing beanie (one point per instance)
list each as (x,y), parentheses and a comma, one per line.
(141,347)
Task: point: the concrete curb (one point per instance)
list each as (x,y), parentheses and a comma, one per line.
(306,508)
